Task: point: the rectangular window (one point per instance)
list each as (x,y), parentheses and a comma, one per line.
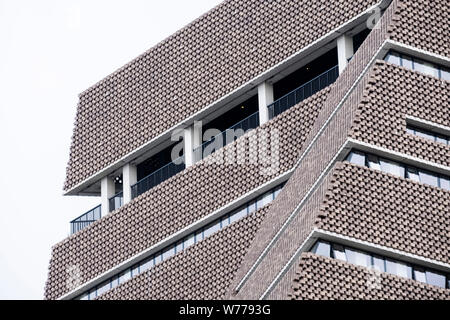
(147,264)
(338,252)
(135,270)
(393,57)
(225,221)
(124,276)
(158,258)
(374,162)
(419,275)
(189,241)
(239,214)
(435,279)
(411,173)
(426,67)
(445,183)
(378,263)
(445,74)
(407,62)
(398,268)
(168,252)
(322,248)
(357,157)
(357,257)
(102,288)
(179,247)
(211,228)
(392,168)
(428,178)
(114,282)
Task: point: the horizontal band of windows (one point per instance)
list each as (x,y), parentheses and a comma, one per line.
(427,134)
(183,244)
(381,263)
(399,169)
(419,65)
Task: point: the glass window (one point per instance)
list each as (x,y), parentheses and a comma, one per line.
(410,130)
(357,257)
(378,263)
(146,264)
(419,275)
(252,207)
(357,157)
(398,268)
(189,241)
(124,276)
(338,252)
(135,270)
(114,282)
(211,228)
(445,183)
(425,134)
(168,252)
(179,246)
(425,67)
(435,279)
(105,286)
(158,258)
(225,221)
(411,173)
(84,296)
(277,192)
(407,62)
(92,294)
(428,178)
(441,140)
(322,248)
(392,167)
(374,162)
(238,214)
(393,57)
(445,74)
(263,200)
(198,236)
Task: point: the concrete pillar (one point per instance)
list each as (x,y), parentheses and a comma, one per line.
(192,139)
(265,97)
(129,175)
(345,51)
(107,191)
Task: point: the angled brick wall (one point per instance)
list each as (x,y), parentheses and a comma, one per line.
(203,271)
(172,205)
(214,55)
(320,278)
(394,94)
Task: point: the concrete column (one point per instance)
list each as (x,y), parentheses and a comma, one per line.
(192,139)
(265,97)
(107,191)
(129,175)
(345,51)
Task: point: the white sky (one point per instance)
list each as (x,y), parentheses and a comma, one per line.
(50,51)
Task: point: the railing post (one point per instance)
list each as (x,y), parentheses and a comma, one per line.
(345,51)
(107,191)
(265,97)
(129,174)
(192,139)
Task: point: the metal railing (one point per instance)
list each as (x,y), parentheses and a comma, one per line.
(85,219)
(251,122)
(116,201)
(157,177)
(304,91)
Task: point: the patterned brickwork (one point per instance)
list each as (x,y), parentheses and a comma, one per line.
(215,54)
(383,209)
(320,278)
(423,24)
(395,93)
(151,217)
(203,271)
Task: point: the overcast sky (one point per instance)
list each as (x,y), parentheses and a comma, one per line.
(50,51)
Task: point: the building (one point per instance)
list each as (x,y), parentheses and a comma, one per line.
(339,188)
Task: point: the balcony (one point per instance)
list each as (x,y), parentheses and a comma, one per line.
(157,177)
(228,136)
(85,219)
(116,201)
(303,92)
